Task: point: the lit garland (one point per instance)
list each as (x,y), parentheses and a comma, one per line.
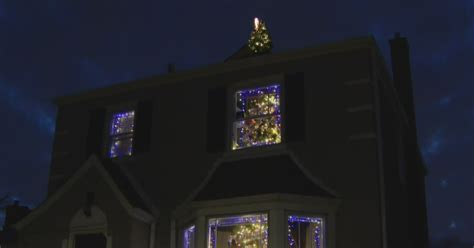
(258,117)
(121,132)
(260,40)
(294,224)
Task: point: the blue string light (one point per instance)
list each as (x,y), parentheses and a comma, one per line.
(121,133)
(189,237)
(294,224)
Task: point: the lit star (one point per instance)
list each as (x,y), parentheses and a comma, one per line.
(256,22)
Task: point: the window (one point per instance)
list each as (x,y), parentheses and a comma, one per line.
(257,117)
(121,134)
(305,232)
(246,231)
(96,240)
(88,231)
(189,237)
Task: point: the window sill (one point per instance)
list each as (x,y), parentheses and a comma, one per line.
(122,159)
(256,151)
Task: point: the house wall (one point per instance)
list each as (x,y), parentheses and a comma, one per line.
(341,146)
(340,149)
(50,228)
(140,234)
(395,162)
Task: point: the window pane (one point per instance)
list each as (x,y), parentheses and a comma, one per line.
(188,239)
(246,231)
(257,132)
(122,123)
(121,146)
(257,102)
(305,232)
(257,117)
(91,240)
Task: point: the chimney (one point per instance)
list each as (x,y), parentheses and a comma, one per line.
(171,68)
(14,213)
(415,189)
(401,70)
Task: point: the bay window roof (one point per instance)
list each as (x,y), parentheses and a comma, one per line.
(261,175)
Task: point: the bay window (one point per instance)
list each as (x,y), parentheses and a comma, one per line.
(245,231)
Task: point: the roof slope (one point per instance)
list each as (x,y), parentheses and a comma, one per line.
(121,185)
(124,184)
(262,175)
(237,62)
(242,53)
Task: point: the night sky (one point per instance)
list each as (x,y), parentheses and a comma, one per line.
(55,47)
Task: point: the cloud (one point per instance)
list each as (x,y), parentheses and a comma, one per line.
(453,225)
(434,144)
(445,100)
(3,10)
(28,108)
(444,183)
(470,19)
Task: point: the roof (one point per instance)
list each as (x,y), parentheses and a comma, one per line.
(242,53)
(131,198)
(123,182)
(257,176)
(231,65)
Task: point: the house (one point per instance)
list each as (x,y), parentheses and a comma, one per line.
(312,148)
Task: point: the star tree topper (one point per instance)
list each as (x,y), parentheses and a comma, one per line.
(260,41)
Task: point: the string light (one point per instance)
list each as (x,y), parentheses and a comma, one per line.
(295,223)
(122,122)
(121,132)
(258,117)
(189,237)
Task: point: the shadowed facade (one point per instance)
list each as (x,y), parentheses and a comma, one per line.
(139,163)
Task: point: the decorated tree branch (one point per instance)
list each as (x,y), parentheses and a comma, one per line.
(260,40)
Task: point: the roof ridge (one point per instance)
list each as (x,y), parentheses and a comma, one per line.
(220,68)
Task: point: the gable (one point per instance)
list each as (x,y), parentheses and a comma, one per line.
(93,176)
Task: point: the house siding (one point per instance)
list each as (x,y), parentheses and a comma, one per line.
(340,148)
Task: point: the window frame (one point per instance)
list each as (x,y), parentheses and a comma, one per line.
(235,214)
(253,83)
(182,229)
(322,216)
(98,228)
(277,207)
(111,111)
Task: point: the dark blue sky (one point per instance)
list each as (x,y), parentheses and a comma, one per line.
(55,47)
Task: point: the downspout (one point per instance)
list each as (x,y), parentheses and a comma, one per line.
(152,234)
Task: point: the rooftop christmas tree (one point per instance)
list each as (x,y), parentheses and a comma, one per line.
(260,41)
